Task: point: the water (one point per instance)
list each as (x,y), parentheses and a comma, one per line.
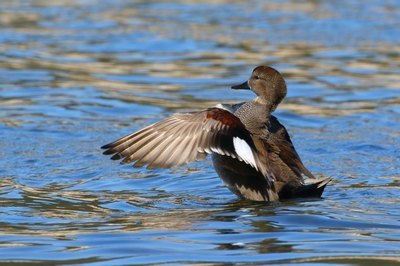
(78,74)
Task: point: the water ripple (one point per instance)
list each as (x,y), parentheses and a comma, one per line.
(78,74)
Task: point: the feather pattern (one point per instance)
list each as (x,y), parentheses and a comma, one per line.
(184,138)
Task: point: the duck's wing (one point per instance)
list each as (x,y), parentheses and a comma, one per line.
(184,138)
(230,107)
(282,146)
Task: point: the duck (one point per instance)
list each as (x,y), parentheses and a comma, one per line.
(250,149)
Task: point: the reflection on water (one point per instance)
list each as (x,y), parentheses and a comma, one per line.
(76,74)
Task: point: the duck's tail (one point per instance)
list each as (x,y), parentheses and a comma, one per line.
(308,190)
(314,189)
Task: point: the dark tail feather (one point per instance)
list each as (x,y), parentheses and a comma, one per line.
(310,190)
(313,189)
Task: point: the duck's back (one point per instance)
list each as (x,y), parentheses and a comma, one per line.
(283,153)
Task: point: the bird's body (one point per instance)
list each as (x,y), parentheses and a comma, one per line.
(251,150)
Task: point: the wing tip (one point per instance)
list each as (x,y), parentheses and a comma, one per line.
(106,146)
(108,152)
(116,157)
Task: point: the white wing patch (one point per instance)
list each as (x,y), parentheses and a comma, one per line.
(224,107)
(244,151)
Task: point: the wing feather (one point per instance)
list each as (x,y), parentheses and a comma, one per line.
(184,138)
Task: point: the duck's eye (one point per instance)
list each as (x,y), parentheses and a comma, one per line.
(256,77)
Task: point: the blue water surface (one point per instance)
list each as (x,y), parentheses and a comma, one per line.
(75,75)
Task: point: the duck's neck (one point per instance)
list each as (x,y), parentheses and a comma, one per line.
(255,115)
(266,104)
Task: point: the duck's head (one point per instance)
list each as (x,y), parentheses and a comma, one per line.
(267,83)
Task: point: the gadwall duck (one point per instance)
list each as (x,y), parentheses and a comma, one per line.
(251,151)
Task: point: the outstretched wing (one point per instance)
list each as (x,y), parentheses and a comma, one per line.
(184,138)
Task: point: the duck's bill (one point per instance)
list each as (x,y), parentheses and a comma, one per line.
(243,86)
